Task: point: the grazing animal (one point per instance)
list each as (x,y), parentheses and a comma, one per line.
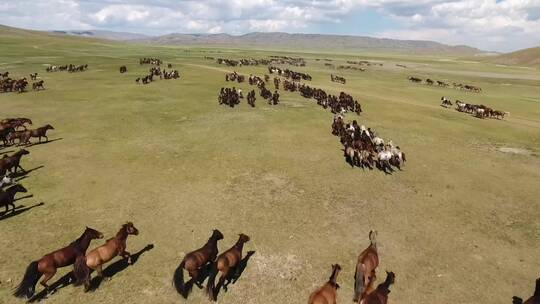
(97,257)
(380,294)
(39,132)
(12,162)
(226,263)
(534,299)
(327,294)
(7,197)
(368,261)
(48,264)
(194,262)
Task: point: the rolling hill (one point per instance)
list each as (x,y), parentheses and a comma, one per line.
(527,57)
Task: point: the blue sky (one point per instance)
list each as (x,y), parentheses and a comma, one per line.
(500,25)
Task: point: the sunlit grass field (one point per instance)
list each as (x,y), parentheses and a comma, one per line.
(459,224)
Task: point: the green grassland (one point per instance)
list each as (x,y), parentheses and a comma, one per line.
(458,225)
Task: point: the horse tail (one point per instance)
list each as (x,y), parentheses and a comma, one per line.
(212,281)
(358,284)
(178,281)
(81,271)
(27,286)
(403,156)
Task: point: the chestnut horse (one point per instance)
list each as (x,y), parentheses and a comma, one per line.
(368,261)
(194,262)
(97,257)
(39,132)
(11,163)
(327,294)
(380,294)
(49,263)
(535,299)
(7,197)
(226,263)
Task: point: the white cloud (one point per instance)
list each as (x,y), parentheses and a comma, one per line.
(489,24)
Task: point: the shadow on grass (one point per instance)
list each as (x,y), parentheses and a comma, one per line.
(235,274)
(19,210)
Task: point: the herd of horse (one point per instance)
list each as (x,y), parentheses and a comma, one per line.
(480,111)
(263,61)
(289,74)
(363,148)
(72,68)
(460,86)
(364,279)
(338,79)
(158,72)
(150,60)
(8,84)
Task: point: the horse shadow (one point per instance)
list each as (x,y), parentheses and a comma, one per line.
(117,267)
(64,281)
(235,274)
(204,272)
(43,142)
(19,210)
(24,173)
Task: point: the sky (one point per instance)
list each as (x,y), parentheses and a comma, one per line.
(494,25)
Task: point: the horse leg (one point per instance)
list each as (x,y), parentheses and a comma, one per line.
(126,255)
(99,271)
(48,275)
(12,207)
(194,274)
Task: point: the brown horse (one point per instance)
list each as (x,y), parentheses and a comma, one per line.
(194,262)
(7,197)
(327,294)
(97,257)
(39,132)
(12,162)
(380,295)
(226,263)
(49,263)
(368,261)
(535,299)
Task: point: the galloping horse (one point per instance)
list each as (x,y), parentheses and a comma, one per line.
(327,294)
(193,262)
(226,263)
(7,197)
(380,295)
(39,132)
(368,261)
(97,257)
(12,162)
(49,263)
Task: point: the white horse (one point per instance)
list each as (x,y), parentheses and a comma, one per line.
(378,141)
(6,180)
(480,112)
(364,130)
(384,160)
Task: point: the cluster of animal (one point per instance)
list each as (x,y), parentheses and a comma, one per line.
(150,60)
(364,63)
(68,67)
(364,280)
(443,84)
(12,85)
(10,130)
(273,99)
(206,263)
(75,254)
(363,148)
(157,71)
(338,79)
(256,62)
(348,67)
(480,111)
(235,77)
(295,76)
(342,104)
(230,97)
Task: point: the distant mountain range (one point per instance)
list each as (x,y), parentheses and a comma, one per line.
(286,41)
(527,57)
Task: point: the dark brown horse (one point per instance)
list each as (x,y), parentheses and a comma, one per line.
(97,257)
(380,294)
(12,162)
(226,263)
(535,299)
(368,261)
(327,294)
(49,263)
(39,132)
(7,197)
(194,262)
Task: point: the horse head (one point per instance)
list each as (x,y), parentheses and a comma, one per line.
(92,233)
(217,235)
(243,238)
(130,228)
